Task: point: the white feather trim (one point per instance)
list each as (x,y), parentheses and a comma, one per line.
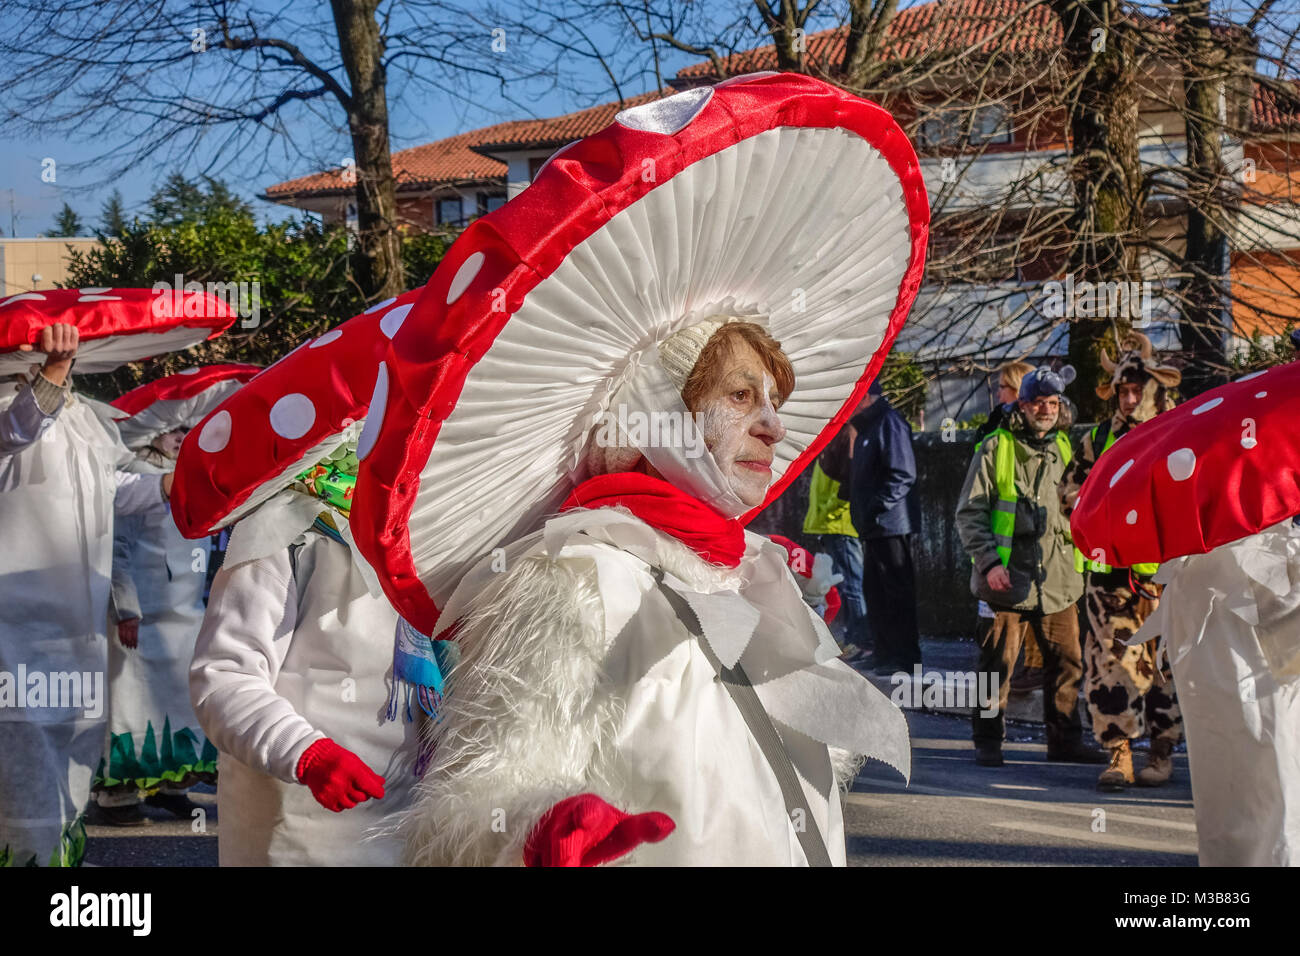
(521,724)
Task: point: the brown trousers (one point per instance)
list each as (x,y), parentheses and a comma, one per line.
(1057,636)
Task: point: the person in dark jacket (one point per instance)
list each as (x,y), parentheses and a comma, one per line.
(883,471)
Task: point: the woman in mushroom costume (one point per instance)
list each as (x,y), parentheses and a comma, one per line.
(639,674)
(1210,493)
(156,749)
(1127,690)
(289,677)
(62,481)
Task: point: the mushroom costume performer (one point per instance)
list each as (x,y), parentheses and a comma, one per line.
(61,483)
(1127,691)
(639,678)
(1209,492)
(156,749)
(290,673)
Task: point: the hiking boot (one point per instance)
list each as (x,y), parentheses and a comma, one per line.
(126,816)
(1160,765)
(988,755)
(1075,751)
(177,804)
(1119,774)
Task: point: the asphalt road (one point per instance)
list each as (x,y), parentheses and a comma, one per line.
(1028,812)
(163,841)
(952,814)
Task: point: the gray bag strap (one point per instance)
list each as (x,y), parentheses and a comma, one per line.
(760,728)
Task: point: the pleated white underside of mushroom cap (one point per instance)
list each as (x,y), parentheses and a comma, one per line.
(806,226)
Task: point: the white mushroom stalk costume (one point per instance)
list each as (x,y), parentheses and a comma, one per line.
(61,483)
(1210,491)
(290,677)
(639,679)
(155,741)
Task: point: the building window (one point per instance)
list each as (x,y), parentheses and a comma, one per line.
(490,202)
(449,212)
(992,125)
(947,127)
(940,128)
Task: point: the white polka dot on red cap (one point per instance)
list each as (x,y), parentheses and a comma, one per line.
(327,338)
(464,276)
(1181,464)
(216,433)
(375,414)
(1120,472)
(1131,517)
(1212,403)
(391,322)
(292,416)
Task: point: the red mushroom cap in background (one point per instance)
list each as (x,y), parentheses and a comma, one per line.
(115,326)
(176,401)
(286,418)
(183,384)
(1217,468)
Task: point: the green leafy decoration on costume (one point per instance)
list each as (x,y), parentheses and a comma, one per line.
(177,759)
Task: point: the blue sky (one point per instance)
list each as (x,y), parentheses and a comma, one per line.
(417,115)
(315,138)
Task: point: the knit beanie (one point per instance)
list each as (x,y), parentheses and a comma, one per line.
(680,351)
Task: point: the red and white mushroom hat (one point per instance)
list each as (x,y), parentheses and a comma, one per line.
(774,195)
(176,401)
(115,326)
(1220,467)
(285,419)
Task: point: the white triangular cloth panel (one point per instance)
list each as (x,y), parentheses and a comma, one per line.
(834,704)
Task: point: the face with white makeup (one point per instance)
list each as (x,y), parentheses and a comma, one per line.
(736,405)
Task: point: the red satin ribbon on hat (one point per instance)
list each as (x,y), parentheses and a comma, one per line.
(661,505)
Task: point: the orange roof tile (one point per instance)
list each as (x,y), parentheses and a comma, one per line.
(1009,26)
(559,130)
(1270,113)
(450,160)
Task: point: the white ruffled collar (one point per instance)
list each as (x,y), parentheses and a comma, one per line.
(755,615)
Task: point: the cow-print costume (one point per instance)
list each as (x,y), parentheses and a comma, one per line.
(1126,694)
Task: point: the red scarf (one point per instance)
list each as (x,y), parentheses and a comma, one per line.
(716,539)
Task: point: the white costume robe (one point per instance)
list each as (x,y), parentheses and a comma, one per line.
(291,652)
(59,489)
(576,675)
(154,737)
(1231,626)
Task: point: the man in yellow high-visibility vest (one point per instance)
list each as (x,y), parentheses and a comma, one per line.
(1127,690)
(1018,539)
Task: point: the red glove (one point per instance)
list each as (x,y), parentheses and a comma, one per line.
(128,632)
(833,604)
(585,830)
(338,778)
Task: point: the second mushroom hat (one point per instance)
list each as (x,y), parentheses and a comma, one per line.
(180,400)
(284,420)
(773,195)
(1215,469)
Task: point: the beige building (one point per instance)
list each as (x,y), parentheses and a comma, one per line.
(30,264)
